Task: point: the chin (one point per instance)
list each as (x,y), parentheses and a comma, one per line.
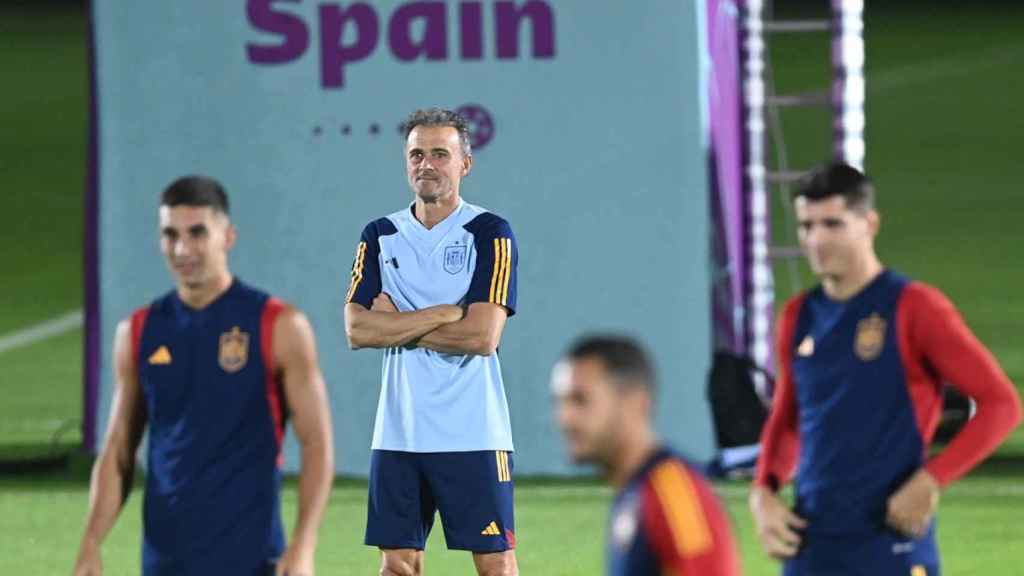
(431,194)
(820,269)
(582,456)
(580,459)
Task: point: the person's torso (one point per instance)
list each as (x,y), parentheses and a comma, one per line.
(216,417)
(430,401)
(858,435)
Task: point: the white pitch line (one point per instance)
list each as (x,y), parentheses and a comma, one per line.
(42,331)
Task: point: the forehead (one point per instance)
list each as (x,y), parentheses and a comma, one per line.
(831,207)
(579,376)
(428,137)
(186,216)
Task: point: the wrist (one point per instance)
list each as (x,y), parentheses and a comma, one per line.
(303,540)
(759,494)
(930,478)
(89,542)
(450,313)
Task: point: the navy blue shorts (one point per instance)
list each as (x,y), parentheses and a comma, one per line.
(883,554)
(472,491)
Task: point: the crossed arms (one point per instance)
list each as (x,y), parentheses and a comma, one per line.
(475,330)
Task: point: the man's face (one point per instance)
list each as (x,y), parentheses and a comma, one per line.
(833,236)
(588,408)
(434,162)
(195,241)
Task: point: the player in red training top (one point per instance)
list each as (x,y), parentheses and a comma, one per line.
(665,519)
(862,361)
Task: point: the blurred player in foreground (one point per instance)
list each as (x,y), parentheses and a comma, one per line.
(213,368)
(863,358)
(665,519)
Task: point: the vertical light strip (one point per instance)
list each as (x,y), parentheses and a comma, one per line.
(848,81)
(762,292)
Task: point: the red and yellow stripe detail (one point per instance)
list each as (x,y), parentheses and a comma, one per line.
(357,271)
(681,505)
(502,271)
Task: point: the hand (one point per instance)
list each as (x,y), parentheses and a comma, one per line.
(911,508)
(383,303)
(88,562)
(296,561)
(776,524)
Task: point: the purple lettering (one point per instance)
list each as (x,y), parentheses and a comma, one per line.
(435,32)
(508,19)
(293,30)
(334,53)
(416,30)
(471,25)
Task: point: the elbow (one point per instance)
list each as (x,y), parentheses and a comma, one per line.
(354,340)
(1016,412)
(485,346)
(358,339)
(355,333)
(1004,412)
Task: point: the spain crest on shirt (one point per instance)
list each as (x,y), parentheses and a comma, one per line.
(870,337)
(234,350)
(454,258)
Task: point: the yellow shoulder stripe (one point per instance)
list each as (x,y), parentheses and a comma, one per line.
(682,508)
(502,271)
(357,271)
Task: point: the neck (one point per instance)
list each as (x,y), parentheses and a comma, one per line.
(430,213)
(635,450)
(850,284)
(200,296)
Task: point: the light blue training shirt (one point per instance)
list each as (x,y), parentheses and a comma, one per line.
(429,401)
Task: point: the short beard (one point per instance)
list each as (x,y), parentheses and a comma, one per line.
(431,197)
(428,198)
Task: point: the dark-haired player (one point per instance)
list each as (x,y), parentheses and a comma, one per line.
(863,358)
(213,369)
(665,520)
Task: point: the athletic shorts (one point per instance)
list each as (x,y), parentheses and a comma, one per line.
(472,491)
(885,553)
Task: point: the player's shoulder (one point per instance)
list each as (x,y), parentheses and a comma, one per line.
(479,220)
(671,465)
(924,298)
(385,225)
(680,502)
(792,307)
(163,304)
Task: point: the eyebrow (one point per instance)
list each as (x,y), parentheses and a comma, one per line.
(434,149)
(193,229)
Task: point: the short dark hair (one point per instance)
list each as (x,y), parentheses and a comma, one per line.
(440,117)
(838,179)
(623,357)
(196,191)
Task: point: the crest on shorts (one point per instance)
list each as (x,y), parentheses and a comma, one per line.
(870,337)
(234,350)
(454,258)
